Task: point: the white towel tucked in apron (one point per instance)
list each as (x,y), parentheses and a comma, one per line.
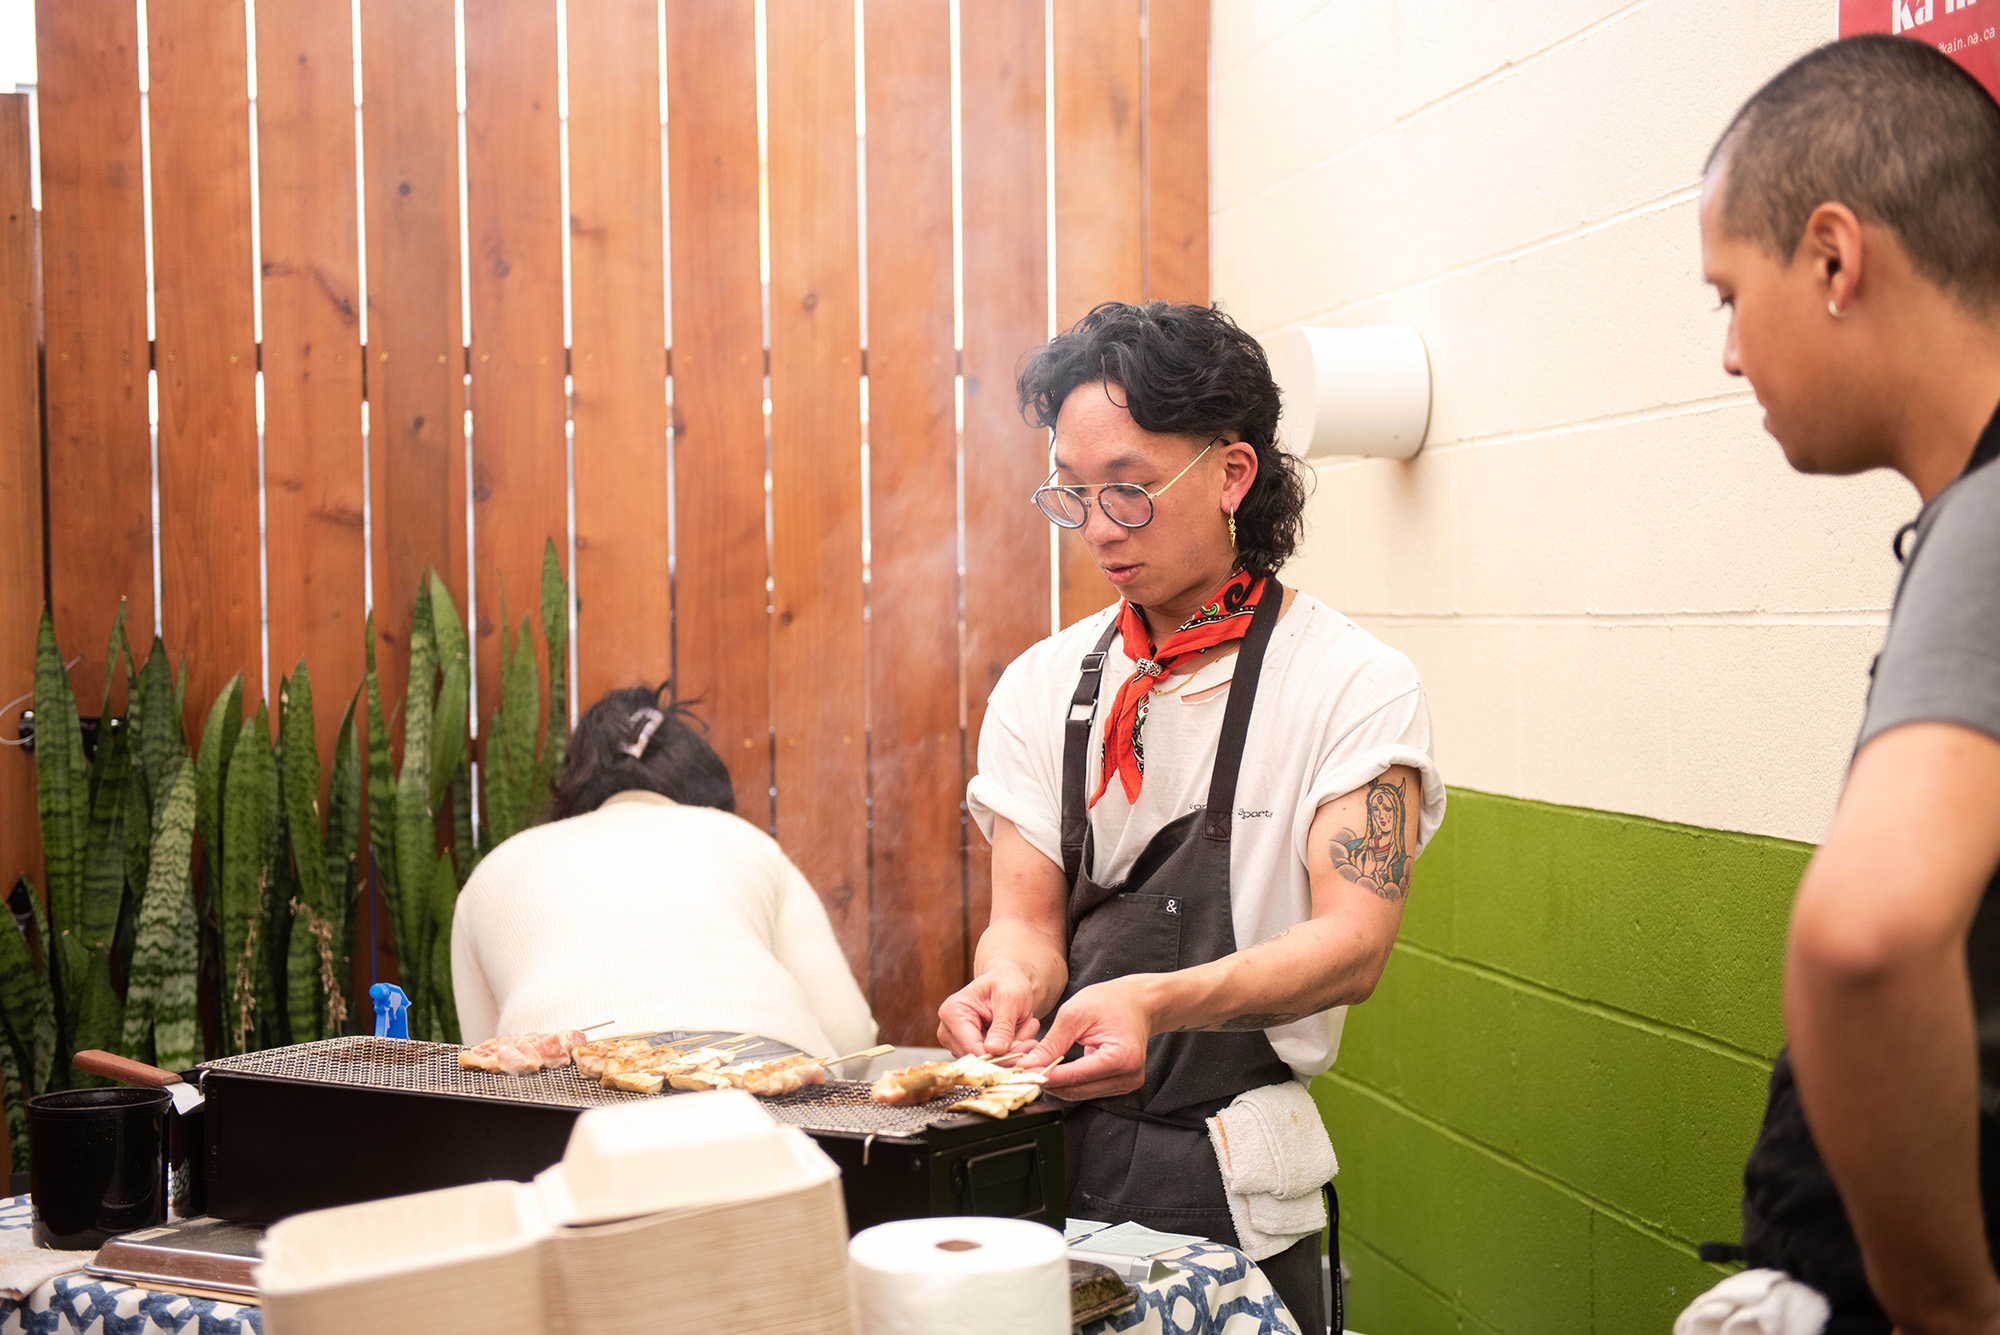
(1756,1302)
(1275,1156)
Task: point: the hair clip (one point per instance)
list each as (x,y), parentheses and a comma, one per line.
(636,748)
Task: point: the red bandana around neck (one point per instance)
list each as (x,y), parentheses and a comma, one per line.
(1223,618)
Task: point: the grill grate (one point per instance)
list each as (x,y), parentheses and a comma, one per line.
(432,1068)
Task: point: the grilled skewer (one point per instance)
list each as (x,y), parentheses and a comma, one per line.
(921,1084)
(783,1076)
(522,1054)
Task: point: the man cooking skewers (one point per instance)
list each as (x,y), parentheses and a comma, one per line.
(1191,796)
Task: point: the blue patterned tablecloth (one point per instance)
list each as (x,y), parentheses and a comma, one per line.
(86,1305)
(1214,1290)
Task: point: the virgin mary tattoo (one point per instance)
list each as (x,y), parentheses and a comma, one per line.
(1378,858)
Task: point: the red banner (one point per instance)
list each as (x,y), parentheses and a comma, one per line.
(1966,30)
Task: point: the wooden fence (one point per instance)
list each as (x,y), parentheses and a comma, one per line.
(629,274)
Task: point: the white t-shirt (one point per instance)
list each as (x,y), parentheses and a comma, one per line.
(1335,708)
(655,916)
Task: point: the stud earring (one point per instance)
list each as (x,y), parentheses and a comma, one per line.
(1833,309)
(1232,530)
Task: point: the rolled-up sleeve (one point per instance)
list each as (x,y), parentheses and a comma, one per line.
(1398,732)
(1019,776)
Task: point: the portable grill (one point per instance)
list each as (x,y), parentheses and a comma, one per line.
(359,1118)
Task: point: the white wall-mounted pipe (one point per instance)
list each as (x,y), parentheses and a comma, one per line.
(1363,391)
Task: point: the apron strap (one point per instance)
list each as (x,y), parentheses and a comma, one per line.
(1236,717)
(1076,755)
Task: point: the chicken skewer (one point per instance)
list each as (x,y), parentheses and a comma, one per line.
(922,1083)
(522,1054)
(770,1079)
(594,1059)
(646,1073)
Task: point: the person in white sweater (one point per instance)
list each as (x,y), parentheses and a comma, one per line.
(646,903)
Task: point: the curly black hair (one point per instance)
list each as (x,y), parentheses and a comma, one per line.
(1186,370)
(677,761)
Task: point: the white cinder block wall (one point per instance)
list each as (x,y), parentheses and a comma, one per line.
(1618,594)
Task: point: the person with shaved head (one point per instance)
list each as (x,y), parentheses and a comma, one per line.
(1850,221)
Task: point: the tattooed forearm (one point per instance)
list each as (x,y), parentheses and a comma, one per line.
(1241,1023)
(1378,858)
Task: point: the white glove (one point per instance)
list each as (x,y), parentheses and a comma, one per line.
(1756,1302)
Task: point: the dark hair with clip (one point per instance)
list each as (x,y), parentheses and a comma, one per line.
(676,761)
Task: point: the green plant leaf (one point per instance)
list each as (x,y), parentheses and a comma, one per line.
(416,832)
(555,634)
(44,944)
(100,1018)
(112,652)
(447,631)
(176,1019)
(166,902)
(343,860)
(138,824)
(155,721)
(465,842)
(247,817)
(298,753)
(16,1100)
(211,769)
(381,791)
(181,691)
(442,1020)
(312,912)
(62,781)
(448,729)
(510,744)
(104,840)
(275,931)
(24,999)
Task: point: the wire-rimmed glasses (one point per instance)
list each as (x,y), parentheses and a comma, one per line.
(1126,504)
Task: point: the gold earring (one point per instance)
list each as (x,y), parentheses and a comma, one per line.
(1232,530)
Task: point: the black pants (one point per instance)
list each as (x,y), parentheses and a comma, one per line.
(1295,1274)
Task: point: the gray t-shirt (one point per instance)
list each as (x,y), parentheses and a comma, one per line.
(1940,663)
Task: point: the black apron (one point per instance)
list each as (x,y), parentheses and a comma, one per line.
(1146,1156)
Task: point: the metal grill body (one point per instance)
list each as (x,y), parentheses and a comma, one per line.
(357,1118)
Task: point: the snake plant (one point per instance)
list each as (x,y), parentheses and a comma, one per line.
(170,875)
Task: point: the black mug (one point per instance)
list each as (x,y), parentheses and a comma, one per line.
(98,1164)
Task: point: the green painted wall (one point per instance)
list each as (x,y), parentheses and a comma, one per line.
(1547,1102)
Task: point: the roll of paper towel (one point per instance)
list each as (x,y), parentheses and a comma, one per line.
(961,1276)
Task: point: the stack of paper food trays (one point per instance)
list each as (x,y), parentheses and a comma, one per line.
(695,1213)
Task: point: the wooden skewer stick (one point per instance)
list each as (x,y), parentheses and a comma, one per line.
(601,1024)
(881,1050)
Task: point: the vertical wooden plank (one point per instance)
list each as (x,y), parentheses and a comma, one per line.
(205,346)
(416,359)
(818,654)
(513,173)
(721,622)
(20,495)
(415,350)
(1177,150)
(310,252)
(1099,190)
(618,324)
(1003,90)
(94,327)
(915,770)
